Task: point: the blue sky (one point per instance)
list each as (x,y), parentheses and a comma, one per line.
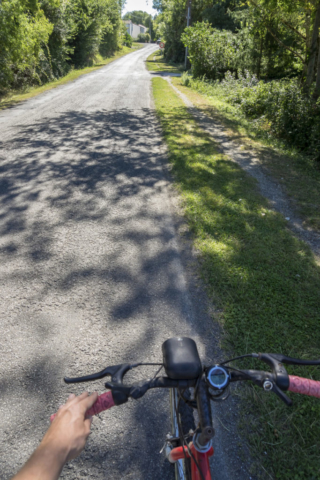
(144,5)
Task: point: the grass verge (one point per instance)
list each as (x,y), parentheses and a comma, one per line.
(296,173)
(264,280)
(15,97)
(156,63)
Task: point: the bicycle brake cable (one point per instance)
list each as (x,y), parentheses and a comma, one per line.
(188,448)
(176,407)
(251,355)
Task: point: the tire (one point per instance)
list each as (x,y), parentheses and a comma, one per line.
(182,467)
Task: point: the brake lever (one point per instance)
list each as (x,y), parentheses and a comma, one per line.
(120,392)
(281,395)
(117,372)
(278,370)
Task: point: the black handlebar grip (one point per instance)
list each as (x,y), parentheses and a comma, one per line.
(204,411)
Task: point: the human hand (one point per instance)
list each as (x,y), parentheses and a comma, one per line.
(70,428)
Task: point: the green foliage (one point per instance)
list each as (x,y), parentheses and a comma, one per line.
(280,108)
(143,37)
(219,15)
(113,29)
(127,40)
(96,26)
(42,39)
(211,52)
(185,79)
(138,17)
(172,23)
(22,38)
(57,53)
(273,37)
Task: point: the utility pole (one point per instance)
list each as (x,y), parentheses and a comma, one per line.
(188,23)
(150,29)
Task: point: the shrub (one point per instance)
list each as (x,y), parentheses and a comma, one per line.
(127,40)
(280,106)
(291,114)
(211,52)
(186,79)
(143,37)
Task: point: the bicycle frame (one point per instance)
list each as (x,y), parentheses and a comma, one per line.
(202,459)
(179,454)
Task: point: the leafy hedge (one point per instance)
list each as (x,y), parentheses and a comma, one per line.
(280,107)
(211,52)
(143,37)
(41,40)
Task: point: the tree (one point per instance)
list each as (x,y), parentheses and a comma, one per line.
(302,18)
(24,32)
(42,39)
(173,16)
(212,52)
(140,17)
(127,40)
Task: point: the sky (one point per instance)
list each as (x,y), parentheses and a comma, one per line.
(144,5)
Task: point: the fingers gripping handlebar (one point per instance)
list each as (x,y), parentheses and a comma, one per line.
(103,402)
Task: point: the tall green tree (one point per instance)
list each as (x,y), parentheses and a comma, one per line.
(174,16)
(24,33)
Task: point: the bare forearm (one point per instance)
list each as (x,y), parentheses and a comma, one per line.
(63,441)
(45,464)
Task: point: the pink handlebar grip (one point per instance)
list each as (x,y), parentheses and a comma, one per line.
(304,386)
(104,402)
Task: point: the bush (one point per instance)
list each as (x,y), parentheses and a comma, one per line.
(186,79)
(211,52)
(127,41)
(280,106)
(143,38)
(290,113)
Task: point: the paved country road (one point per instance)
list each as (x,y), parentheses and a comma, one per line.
(91,269)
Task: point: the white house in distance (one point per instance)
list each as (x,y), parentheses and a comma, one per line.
(134,29)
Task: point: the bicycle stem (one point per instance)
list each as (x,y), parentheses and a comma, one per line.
(204,411)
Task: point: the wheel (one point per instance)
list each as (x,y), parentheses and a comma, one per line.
(185,413)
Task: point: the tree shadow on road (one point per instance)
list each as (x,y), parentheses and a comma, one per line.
(86,227)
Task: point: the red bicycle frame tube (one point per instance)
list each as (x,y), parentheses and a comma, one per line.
(202,460)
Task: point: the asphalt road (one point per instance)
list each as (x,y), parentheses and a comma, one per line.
(92,270)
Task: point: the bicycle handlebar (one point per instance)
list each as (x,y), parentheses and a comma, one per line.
(103,402)
(301,385)
(176,360)
(304,386)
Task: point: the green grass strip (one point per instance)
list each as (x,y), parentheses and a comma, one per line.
(265,281)
(293,170)
(156,63)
